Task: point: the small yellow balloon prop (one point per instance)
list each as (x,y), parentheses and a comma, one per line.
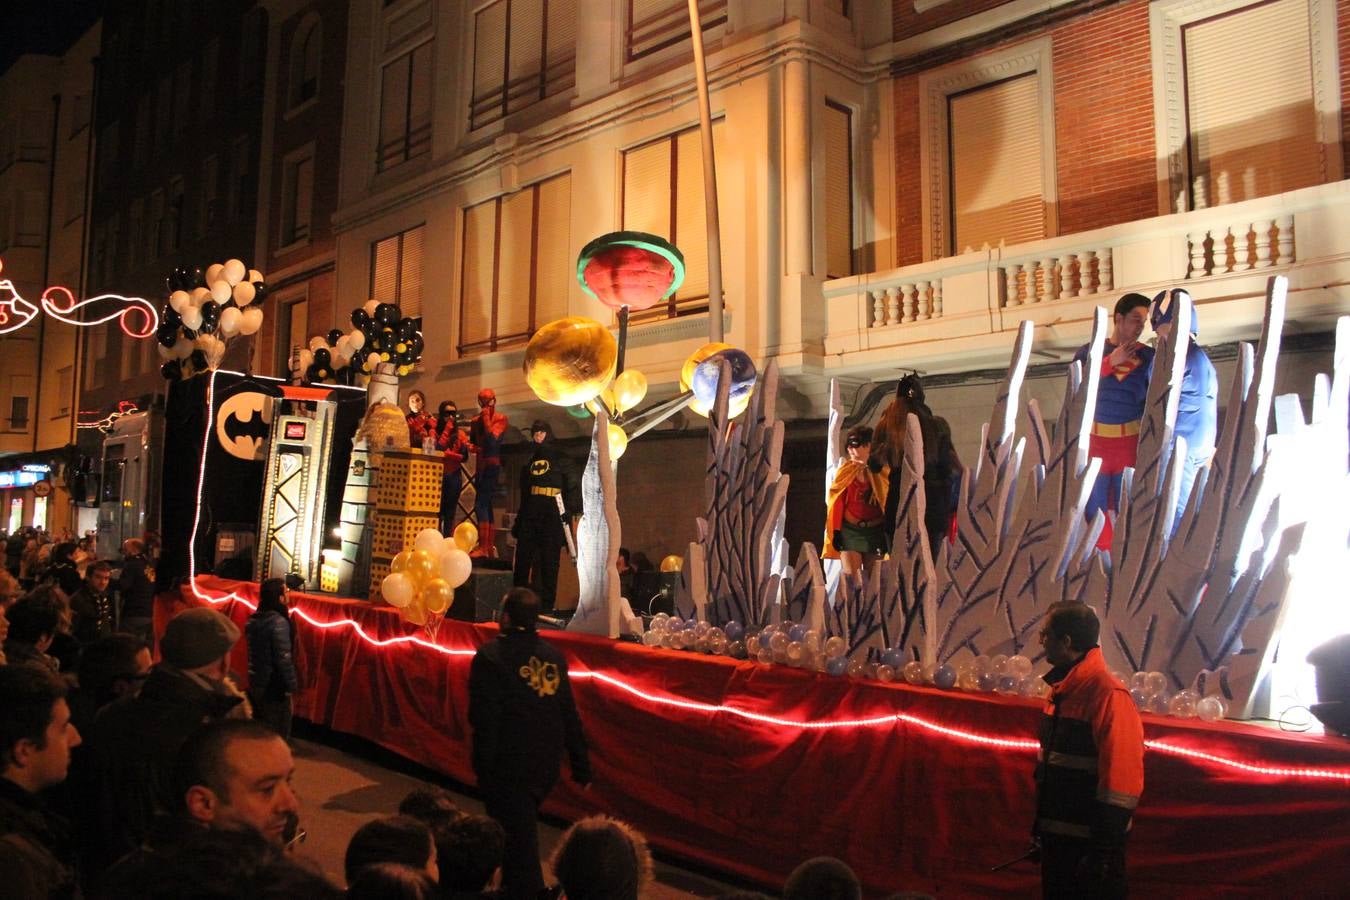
(698,356)
(415,613)
(421,566)
(400,561)
(466,536)
(437,595)
(672,563)
(618,441)
(629,389)
(569,361)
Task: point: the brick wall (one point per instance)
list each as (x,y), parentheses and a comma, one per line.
(905,22)
(1103,126)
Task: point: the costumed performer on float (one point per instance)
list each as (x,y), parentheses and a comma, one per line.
(486,433)
(1198,409)
(1122,390)
(941,466)
(421,424)
(855,511)
(538,530)
(454,446)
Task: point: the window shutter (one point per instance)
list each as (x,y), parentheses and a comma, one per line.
(489,63)
(480,227)
(646,189)
(555,264)
(384,271)
(304,198)
(996,164)
(691,228)
(525,54)
(1249,96)
(393,111)
(410,272)
(297,324)
(419,101)
(560,53)
(838,191)
(513,278)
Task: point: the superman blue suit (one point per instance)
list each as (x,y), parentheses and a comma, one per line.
(1198,408)
(1121,393)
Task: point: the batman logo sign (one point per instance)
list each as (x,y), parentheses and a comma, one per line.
(244,423)
(539,467)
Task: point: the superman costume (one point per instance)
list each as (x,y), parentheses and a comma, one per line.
(1121,394)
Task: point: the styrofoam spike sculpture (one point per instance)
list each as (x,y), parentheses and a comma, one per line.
(804,595)
(599,535)
(740,543)
(832,569)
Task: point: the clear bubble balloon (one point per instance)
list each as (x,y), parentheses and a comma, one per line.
(857,668)
(1019,666)
(913,672)
(1155,683)
(1209,709)
(999,664)
(835,647)
(1183,704)
(651,638)
(983,664)
(885,673)
(986,681)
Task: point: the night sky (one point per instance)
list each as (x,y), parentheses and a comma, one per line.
(43,26)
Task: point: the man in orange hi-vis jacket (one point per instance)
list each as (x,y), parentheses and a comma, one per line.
(1090,771)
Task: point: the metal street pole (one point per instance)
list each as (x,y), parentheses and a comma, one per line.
(709,179)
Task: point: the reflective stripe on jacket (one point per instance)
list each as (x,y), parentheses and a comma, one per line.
(1090,772)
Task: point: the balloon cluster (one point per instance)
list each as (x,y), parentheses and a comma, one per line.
(422,580)
(1003,674)
(1150,694)
(382,334)
(204,311)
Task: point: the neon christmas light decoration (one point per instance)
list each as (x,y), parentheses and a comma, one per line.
(59,302)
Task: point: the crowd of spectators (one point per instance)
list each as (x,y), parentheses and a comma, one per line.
(123,778)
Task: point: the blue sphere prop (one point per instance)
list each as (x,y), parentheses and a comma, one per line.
(837,666)
(704,382)
(988,681)
(734,630)
(797,633)
(893,658)
(945,677)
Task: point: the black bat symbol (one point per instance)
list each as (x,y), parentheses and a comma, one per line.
(255,426)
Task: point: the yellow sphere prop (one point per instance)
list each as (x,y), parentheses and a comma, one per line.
(400,561)
(672,563)
(466,536)
(421,566)
(618,441)
(698,356)
(437,595)
(734,407)
(629,389)
(570,361)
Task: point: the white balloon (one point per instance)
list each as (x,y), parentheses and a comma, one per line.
(357,339)
(372,360)
(192,317)
(213,273)
(250,320)
(220,290)
(446,546)
(200,295)
(428,539)
(182,349)
(229,321)
(306,359)
(234,271)
(318,342)
(215,351)
(344,345)
(244,292)
(370,307)
(255,275)
(455,567)
(397,589)
(178,300)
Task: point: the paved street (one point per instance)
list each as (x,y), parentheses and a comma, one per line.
(340,791)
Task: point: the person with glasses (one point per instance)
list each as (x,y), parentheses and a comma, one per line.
(855,518)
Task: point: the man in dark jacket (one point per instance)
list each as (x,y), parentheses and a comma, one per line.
(271,664)
(136,586)
(539,526)
(36,737)
(134,740)
(91,608)
(523,717)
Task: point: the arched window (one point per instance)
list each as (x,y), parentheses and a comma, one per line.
(306,47)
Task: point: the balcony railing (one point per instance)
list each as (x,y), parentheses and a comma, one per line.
(940,309)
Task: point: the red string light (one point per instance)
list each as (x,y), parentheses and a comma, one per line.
(129,305)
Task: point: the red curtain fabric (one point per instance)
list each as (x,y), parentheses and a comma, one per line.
(908,805)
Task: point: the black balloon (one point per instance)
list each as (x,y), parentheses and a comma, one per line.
(198,278)
(167,334)
(198,359)
(312,373)
(417,344)
(334,336)
(259,293)
(169,317)
(210,313)
(387,314)
(171,370)
(322,358)
(189,334)
(360,318)
(407,327)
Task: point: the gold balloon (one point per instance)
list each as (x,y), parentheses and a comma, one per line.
(698,356)
(569,361)
(420,566)
(629,389)
(466,536)
(414,612)
(618,441)
(437,595)
(400,561)
(611,402)
(672,563)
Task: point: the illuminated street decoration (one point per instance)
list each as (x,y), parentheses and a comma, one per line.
(124,408)
(16,312)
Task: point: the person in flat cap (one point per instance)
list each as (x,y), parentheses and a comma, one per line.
(133,742)
(548,477)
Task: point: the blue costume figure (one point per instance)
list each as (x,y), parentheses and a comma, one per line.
(1121,393)
(1198,409)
